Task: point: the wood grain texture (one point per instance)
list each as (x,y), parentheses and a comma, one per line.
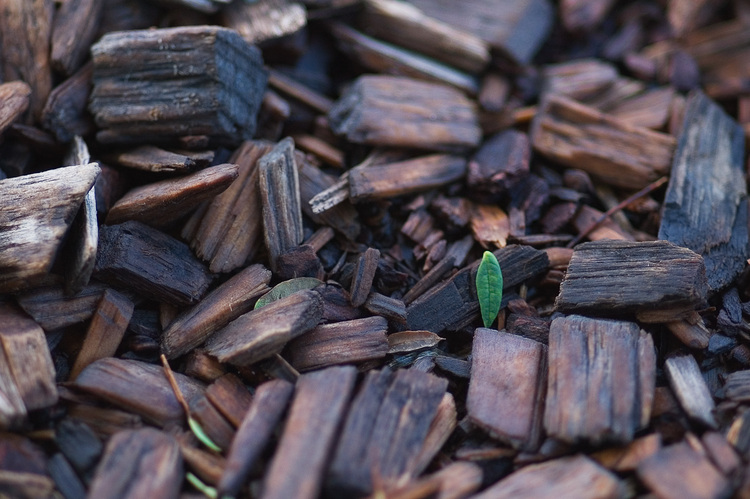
(261,333)
(30,237)
(53,308)
(14,101)
(73,31)
(65,114)
(616,153)
(705,208)
(319,404)
(648,275)
(372,112)
(690,388)
(221,306)
(161,84)
(601,381)
(507,387)
(231,397)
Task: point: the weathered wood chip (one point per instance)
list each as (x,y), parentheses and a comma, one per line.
(618,278)
(139,463)
(319,404)
(262,333)
(139,388)
(709,167)
(221,306)
(35,213)
(690,388)
(364,274)
(75,28)
(231,397)
(437,117)
(264,20)
(601,381)
(14,101)
(52,308)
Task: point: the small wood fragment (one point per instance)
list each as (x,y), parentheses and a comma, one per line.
(437,118)
(213,79)
(82,249)
(506,396)
(690,389)
(649,275)
(627,458)
(154,159)
(227,302)
(616,153)
(105,330)
(577,475)
(678,471)
(490,225)
(499,165)
(694,334)
(580,80)
(151,396)
(139,463)
(318,407)
(254,432)
(75,28)
(264,20)
(29,237)
(135,256)
(64,113)
(364,274)
(709,167)
(280,199)
(14,101)
(261,333)
(346,342)
(52,308)
(230,396)
(342,217)
(404,403)
(601,381)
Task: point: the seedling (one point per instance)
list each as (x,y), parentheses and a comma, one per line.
(489,288)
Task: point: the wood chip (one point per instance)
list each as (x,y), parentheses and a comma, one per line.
(52,308)
(438,117)
(690,389)
(14,101)
(262,333)
(364,274)
(506,388)
(231,397)
(31,237)
(64,113)
(75,28)
(601,381)
(709,167)
(264,20)
(318,407)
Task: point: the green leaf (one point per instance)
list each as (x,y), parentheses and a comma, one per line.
(286,288)
(489,288)
(196,482)
(201,435)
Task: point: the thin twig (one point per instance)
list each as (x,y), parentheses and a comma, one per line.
(175,386)
(646,190)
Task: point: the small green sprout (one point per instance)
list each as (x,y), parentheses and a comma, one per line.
(489,288)
(201,435)
(206,490)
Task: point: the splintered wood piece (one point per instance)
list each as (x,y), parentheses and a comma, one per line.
(580,79)
(74,30)
(64,113)
(342,217)
(230,397)
(147,261)
(380,57)
(678,471)
(84,236)
(373,112)
(364,274)
(690,388)
(213,423)
(253,434)
(586,216)
(648,275)
(454,304)
(14,101)
(294,89)
(627,458)
(404,177)
(651,109)
(23,348)
(601,381)
(280,198)
(454,257)
(585,15)
(705,207)
(159,203)
(139,388)
(441,428)
(318,407)
(224,304)
(25,31)
(161,84)
(35,213)
(392,309)
(105,331)
(619,154)
(262,333)
(516,31)
(264,20)
(52,308)
(384,431)
(575,476)
(500,164)
(694,334)
(346,342)
(229,233)
(490,225)
(139,463)
(507,388)
(405,25)
(154,159)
